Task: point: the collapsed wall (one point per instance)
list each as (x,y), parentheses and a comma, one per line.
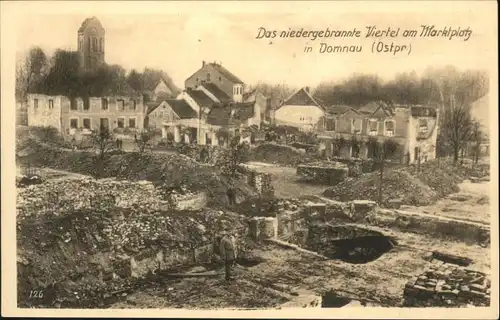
(445,228)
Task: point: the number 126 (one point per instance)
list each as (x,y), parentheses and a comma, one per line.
(36,294)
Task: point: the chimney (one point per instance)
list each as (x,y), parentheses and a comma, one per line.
(203,63)
(306,89)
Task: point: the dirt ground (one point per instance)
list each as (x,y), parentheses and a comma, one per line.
(270,283)
(470,204)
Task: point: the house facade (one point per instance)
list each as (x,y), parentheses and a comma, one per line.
(414,128)
(213,102)
(223,79)
(300,110)
(262,102)
(80,116)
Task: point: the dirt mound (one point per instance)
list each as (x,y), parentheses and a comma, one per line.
(280,154)
(171,170)
(132,166)
(442,180)
(398,184)
(413,185)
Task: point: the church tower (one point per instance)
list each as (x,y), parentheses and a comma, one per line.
(91,44)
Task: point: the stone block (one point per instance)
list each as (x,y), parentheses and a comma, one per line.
(477,287)
(424,289)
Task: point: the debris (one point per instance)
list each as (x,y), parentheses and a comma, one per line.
(448,285)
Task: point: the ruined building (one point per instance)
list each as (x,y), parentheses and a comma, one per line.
(414,128)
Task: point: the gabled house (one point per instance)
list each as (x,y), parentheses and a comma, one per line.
(216,101)
(169,116)
(300,110)
(217,75)
(159,91)
(413,127)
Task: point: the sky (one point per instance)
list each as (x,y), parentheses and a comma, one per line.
(177,41)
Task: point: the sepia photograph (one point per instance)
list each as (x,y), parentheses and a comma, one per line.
(329,156)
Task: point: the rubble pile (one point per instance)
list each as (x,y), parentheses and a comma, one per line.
(411,185)
(269,207)
(279,154)
(289,205)
(60,197)
(131,166)
(328,172)
(86,250)
(396,184)
(448,285)
(442,181)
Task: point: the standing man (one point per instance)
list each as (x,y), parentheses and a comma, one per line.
(228,253)
(231,196)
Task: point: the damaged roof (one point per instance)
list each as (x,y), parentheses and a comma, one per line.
(120,89)
(200,97)
(372,107)
(217,92)
(230,113)
(182,108)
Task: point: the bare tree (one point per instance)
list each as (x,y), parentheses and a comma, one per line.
(476,140)
(29,70)
(102,141)
(143,140)
(457,128)
(380,152)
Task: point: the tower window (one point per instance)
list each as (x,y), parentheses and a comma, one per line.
(208,76)
(101,45)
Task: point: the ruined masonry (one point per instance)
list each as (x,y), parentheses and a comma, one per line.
(448,285)
(262,182)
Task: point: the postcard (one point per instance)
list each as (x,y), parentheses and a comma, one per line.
(315,159)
